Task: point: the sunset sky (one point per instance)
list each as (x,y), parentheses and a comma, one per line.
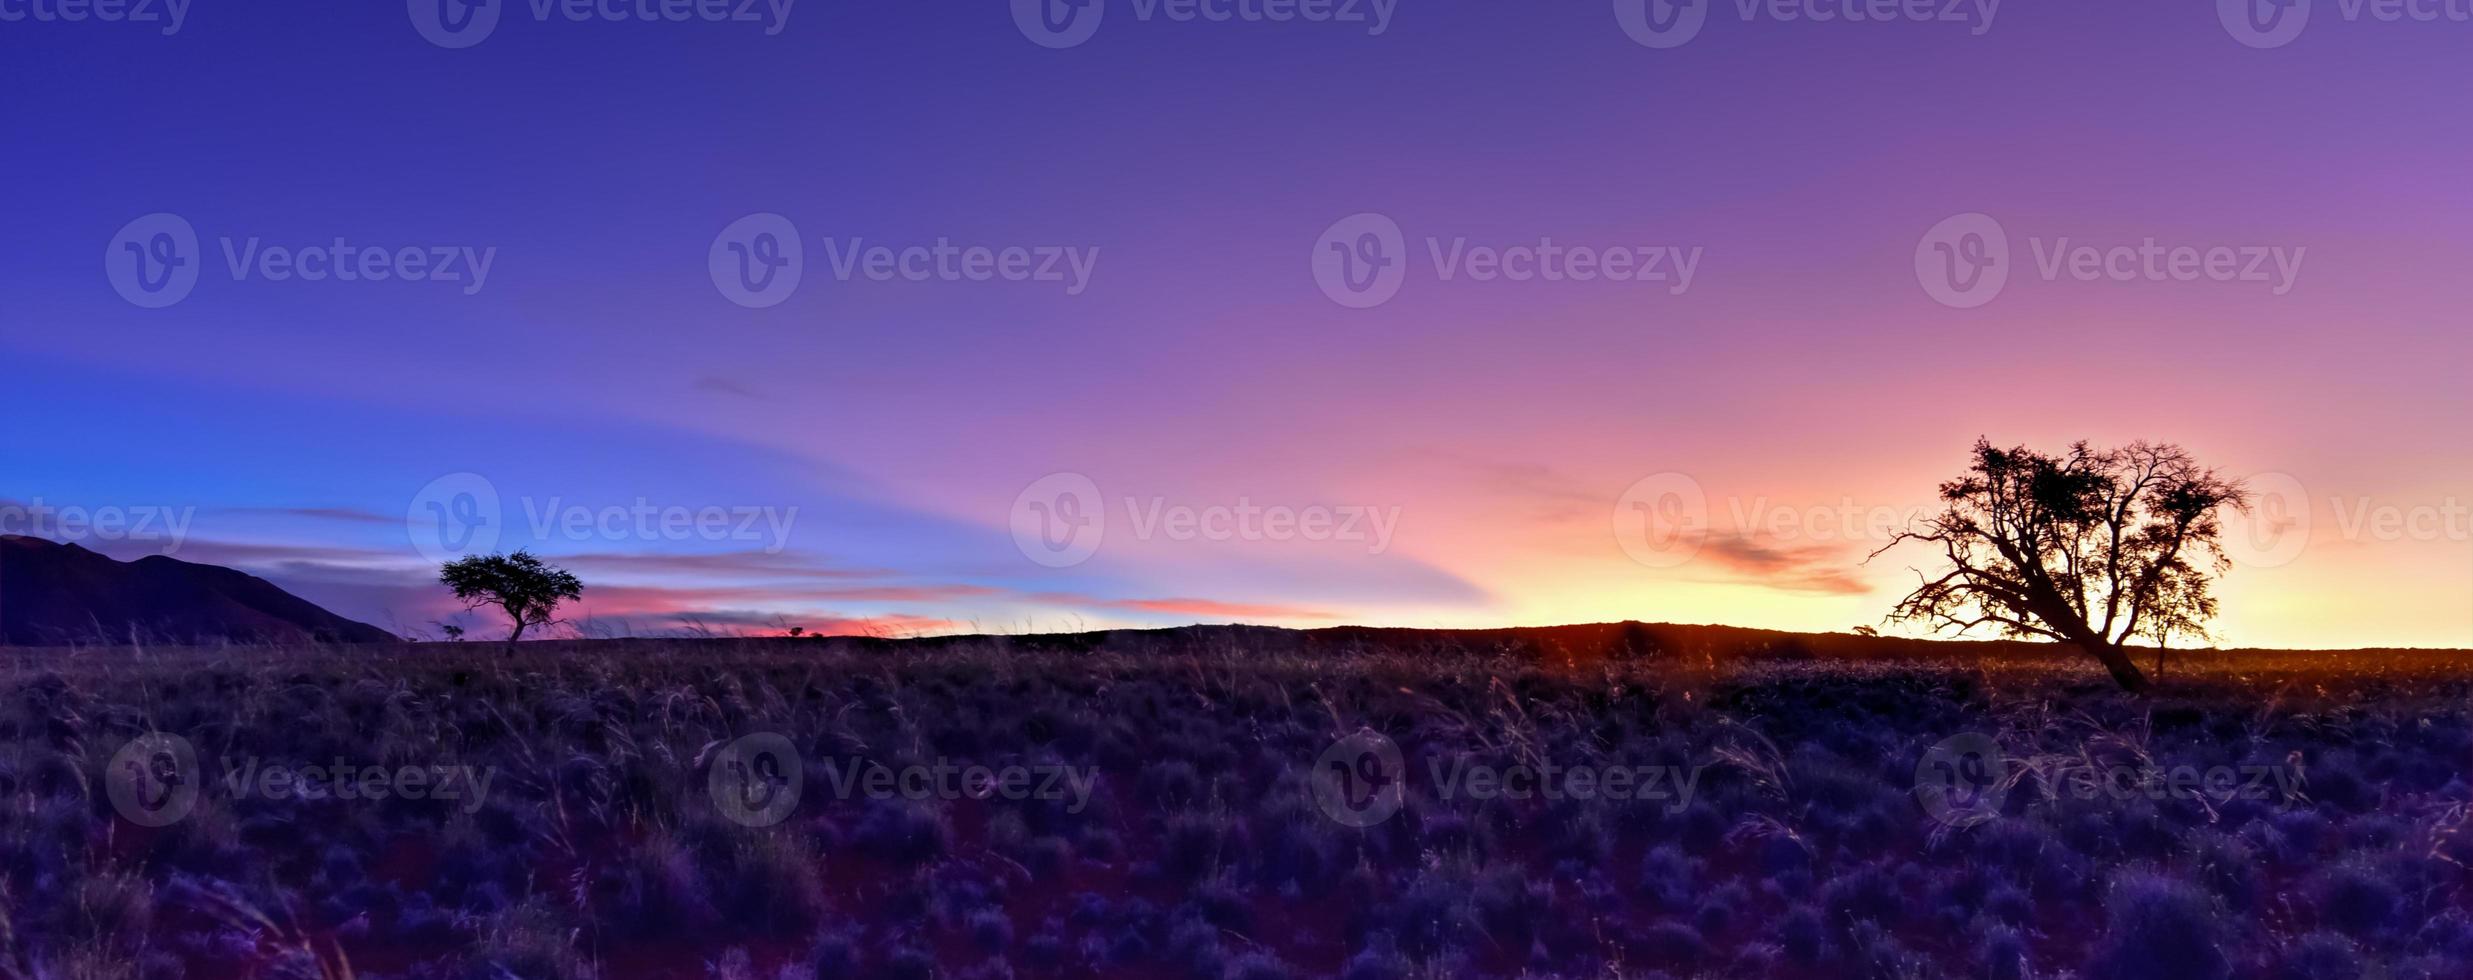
(1456,454)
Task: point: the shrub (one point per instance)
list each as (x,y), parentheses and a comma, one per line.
(1802,935)
(2160,929)
(2321,956)
(2356,899)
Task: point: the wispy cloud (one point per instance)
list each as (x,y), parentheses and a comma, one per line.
(1816,568)
(769,623)
(1182,607)
(345,515)
(715,384)
(752,564)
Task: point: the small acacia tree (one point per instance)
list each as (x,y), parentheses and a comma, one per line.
(526,588)
(2092,547)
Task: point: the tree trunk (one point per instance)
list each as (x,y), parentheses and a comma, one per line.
(2051,608)
(2125,671)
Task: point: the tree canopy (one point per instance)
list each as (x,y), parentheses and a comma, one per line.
(526,588)
(2092,547)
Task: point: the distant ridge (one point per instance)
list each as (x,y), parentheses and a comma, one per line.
(1578,644)
(54,594)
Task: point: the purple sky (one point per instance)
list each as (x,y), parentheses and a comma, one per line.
(1258,449)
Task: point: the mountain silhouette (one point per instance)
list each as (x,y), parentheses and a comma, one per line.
(55,594)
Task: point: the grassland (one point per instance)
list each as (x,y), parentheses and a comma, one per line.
(611,827)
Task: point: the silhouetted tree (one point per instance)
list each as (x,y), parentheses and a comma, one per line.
(526,588)
(2091,547)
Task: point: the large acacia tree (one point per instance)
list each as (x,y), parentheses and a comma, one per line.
(526,588)
(2091,547)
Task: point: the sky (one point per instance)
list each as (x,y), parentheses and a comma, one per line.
(906,318)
